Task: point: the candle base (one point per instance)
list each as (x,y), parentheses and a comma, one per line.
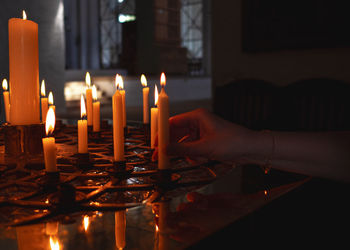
(146,133)
(23,139)
(119,169)
(50,181)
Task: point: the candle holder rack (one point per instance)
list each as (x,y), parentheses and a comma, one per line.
(93,182)
(23,139)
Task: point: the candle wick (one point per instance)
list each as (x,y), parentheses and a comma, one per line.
(84,117)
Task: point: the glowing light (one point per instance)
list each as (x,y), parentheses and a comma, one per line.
(88,79)
(121,82)
(94,93)
(86,222)
(162,80)
(82,107)
(50,121)
(4,84)
(157,228)
(122,18)
(50,98)
(155,95)
(143,80)
(24,15)
(42,89)
(54,244)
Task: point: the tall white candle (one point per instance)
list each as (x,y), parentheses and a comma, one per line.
(82,129)
(154,118)
(49,145)
(89,99)
(6,95)
(163,126)
(118,128)
(145,95)
(24,71)
(96,110)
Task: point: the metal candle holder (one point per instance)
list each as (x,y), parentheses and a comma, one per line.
(23,139)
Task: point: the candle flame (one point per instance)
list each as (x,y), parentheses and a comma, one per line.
(50,98)
(155,95)
(4,84)
(116,80)
(86,222)
(162,79)
(50,121)
(24,15)
(82,107)
(42,89)
(143,80)
(54,244)
(121,82)
(88,79)
(94,93)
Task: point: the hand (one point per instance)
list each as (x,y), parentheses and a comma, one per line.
(200,133)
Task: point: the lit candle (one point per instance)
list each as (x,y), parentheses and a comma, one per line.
(6,99)
(24,71)
(96,110)
(51,102)
(145,94)
(89,99)
(82,129)
(118,128)
(154,118)
(120,224)
(122,92)
(49,143)
(163,126)
(44,104)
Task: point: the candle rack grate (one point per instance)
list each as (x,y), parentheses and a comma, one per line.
(92,182)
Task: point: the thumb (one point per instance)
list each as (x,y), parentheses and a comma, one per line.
(194,149)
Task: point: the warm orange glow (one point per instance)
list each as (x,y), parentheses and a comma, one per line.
(50,98)
(42,89)
(50,121)
(143,80)
(88,79)
(155,95)
(54,244)
(86,222)
(24,15)
(157,229)
(265,192)
(94,93)
(4,85)
(82,107)
(162,80)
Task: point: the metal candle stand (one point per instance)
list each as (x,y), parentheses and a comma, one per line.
(93,181)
